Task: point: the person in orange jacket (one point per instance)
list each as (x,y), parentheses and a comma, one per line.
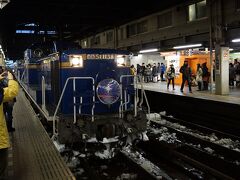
(6,94)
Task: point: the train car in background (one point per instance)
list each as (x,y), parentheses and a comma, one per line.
(89,94)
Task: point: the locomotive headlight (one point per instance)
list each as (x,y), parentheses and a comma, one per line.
(120,61)
(76,61)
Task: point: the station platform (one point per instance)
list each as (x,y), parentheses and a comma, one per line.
(32,154)
(233,97)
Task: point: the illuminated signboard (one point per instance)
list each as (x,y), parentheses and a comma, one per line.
(100,56)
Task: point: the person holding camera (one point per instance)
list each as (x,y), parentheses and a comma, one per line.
(6,94)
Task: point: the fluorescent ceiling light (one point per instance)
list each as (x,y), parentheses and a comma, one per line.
(148,50)
(231,49)
(187,46)
(236,40)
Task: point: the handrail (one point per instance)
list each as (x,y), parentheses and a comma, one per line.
(140,104)
(43,94)
(126,99)
(146,101)
(18,75)
(135,96)
(121,96)
(23,74)
(60,99)
(126,102)
(33,100)
(143,94)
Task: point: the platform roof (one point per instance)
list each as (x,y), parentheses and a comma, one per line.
(72,19)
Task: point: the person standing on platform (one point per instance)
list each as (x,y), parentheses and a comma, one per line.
(163,69)
(199,77)
(231,74)
(170,76)
(143,72)
(159,71)
(148,73)
(133,71)
(238,74)
(8,109)
(205,76)
(154,73)
(186,76)
(6,94)
(139,72)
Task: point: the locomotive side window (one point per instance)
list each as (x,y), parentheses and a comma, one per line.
(76,61)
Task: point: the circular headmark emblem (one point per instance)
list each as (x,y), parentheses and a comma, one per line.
(108,91)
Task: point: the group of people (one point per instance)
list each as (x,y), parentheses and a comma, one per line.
(234,73)
(202,76)
(151,72)
(154,73)
(8,91)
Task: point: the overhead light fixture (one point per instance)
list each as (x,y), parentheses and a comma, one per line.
(236,40)
(187,46)
(3,3)
(148,50)
(231,49)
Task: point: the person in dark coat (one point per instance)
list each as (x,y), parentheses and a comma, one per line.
(205,76)
(231,74)
(154,73)
(8,111)
(159,71)
(186,76)
(237,70)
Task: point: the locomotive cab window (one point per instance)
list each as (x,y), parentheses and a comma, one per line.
(76,60)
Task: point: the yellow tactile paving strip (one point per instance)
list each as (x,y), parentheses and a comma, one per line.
(33,155)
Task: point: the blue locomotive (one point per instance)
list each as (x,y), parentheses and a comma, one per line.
(88,94)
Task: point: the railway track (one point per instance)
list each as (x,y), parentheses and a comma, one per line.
(188,150)
(198,127)
(127,164)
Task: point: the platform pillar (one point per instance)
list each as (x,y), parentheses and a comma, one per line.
(222,70)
